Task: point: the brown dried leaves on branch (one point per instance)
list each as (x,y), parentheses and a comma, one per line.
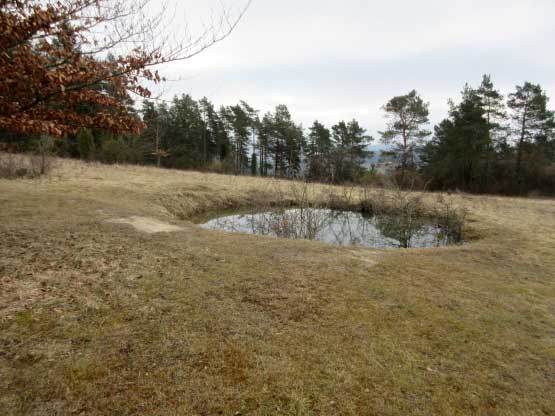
(59,57)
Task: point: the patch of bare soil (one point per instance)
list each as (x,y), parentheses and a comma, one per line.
(147,224)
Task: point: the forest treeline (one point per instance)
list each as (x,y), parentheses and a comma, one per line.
(67,88)
(489,143)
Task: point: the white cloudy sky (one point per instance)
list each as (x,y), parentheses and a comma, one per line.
(343,59)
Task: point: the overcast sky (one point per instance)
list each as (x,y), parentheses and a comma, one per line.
(343,59)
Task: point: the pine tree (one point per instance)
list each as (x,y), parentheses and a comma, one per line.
(239,122)
(254,166)
(407,115)
(530,117)
(210,132)
(184,134)
(350,142)
(495,114)
(153,136)
(319,149)
(454,157)
(286,143)
(224,135)
(494,107)
(254,122)
(265,138)
(85,143)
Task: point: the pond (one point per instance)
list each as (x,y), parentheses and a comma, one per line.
(338,227)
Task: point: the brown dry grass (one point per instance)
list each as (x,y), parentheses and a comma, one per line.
(97,318)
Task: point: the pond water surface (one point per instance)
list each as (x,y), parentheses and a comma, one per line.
(336,227)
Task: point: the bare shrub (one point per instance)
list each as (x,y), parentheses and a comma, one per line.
(302,222)
(12,166)
(404,214)
(399,213)
(41,160)
(32,165)
(343,197)
(299,223)
(449,218)
(302,193)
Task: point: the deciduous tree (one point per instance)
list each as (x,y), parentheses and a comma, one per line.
(55,56)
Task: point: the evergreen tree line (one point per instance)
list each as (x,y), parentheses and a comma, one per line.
(237,139)
(488,143)
(492,144)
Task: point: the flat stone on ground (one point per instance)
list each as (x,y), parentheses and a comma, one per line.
(147,224)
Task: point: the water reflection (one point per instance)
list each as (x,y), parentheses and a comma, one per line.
(336,227)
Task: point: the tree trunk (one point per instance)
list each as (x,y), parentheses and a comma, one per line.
(520,143)
(404,159)
(157,147)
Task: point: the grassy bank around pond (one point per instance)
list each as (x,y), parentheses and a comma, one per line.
(101,315)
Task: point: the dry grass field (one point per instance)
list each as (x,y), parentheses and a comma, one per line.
(100,318)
